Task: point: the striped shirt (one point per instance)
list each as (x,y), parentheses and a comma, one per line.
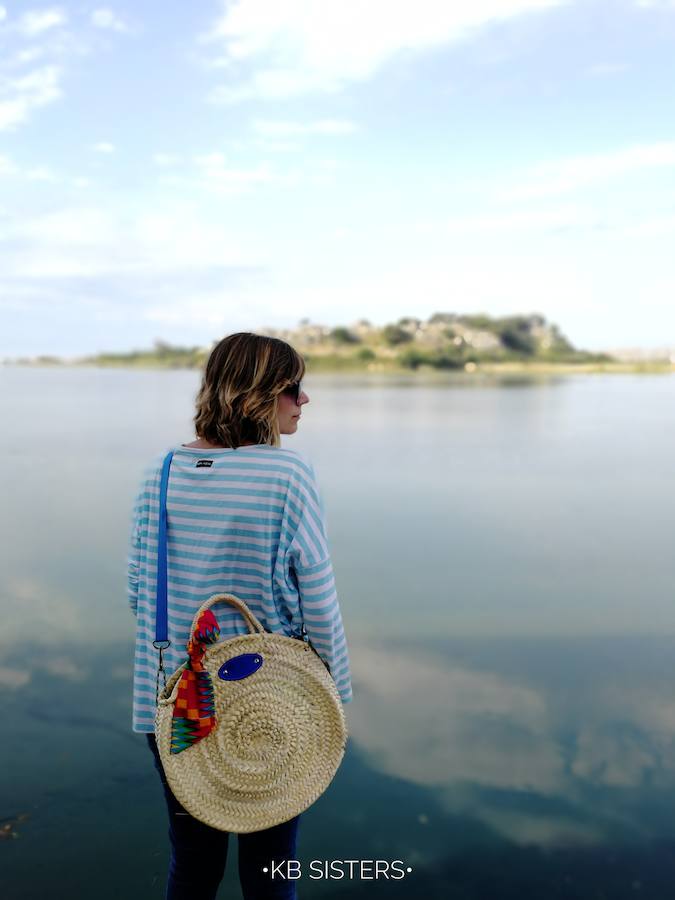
(249,524)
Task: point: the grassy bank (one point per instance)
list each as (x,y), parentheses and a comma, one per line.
(338,365)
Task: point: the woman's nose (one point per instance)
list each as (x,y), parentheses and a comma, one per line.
(304,398)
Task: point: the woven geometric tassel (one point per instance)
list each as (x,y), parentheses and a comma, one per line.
(194,712)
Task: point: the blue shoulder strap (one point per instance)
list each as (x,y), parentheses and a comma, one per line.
(161,615)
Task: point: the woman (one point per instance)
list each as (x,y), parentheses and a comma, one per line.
(244,517)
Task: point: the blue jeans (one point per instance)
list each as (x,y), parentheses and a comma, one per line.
(199,853)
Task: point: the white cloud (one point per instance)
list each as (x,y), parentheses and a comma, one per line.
(211,161)
(77,241)
(291,129)
(69,227)
(120,673)
(103,147)
(295,50)
(213,169)
(656,4)
(41,173)
(210,309)
(190,240)
(480,727)
(474,725)
(63,667)
(13,678)
(606,69)
(537,220)
(165,159)
(3,13)
(20,96)
(37,21)
(528,828)
(616,760)
(106,18)
(28,55)
(35,173)
(30,601)
(564,175)
(656,226)
(7,167)
(269,146)
(623,756)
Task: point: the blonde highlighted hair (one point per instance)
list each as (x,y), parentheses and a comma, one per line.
(243,377)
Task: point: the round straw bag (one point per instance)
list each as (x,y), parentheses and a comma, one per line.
(270,731)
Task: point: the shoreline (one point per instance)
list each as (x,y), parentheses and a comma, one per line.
(469,370)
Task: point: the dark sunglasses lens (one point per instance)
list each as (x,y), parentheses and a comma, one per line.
(294,390)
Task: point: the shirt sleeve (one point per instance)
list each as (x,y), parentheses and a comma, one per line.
(134,553)
(310,562)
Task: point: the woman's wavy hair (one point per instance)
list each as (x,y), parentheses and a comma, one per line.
(237,400)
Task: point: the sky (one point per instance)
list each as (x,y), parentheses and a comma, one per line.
(178,171)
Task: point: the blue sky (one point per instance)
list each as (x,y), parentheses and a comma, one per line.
(180,171)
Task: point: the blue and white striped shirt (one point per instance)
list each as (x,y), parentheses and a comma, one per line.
(250,524)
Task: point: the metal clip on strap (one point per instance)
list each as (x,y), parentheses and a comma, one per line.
(161,646)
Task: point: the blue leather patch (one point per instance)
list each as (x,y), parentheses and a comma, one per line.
(240,666)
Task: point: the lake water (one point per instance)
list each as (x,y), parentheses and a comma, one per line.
(503,551)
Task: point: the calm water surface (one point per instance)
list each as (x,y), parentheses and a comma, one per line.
(503,555)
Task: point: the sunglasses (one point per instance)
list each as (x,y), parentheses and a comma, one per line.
(294,390)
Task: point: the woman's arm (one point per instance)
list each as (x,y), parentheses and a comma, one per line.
(321,615)
(309,558)
(134,553)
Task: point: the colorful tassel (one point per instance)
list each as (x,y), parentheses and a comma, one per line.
(194,712)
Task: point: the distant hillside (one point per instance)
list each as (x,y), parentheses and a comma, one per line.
(444,341)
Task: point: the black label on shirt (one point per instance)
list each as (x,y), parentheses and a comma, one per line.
(204,463)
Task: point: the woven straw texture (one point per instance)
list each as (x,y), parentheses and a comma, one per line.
(279,739)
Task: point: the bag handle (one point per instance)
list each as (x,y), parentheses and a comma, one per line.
(254,625)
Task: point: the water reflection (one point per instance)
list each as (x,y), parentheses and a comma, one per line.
(433,722)
(518,722)
(455,749)
(480,536)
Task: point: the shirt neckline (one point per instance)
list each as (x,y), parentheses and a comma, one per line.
(205,451)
